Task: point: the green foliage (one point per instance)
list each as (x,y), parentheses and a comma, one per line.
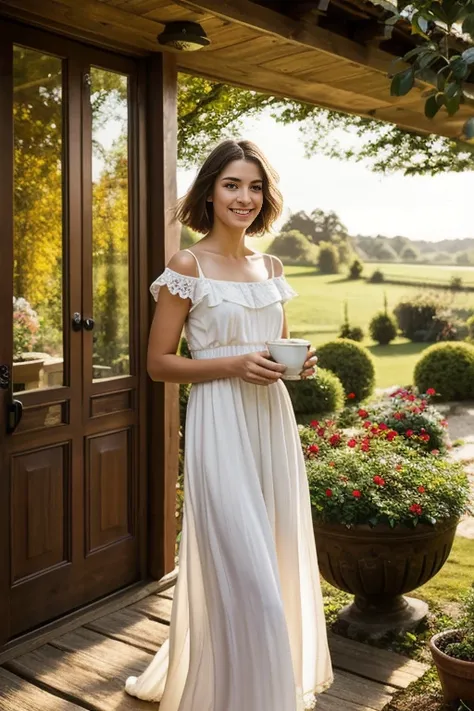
(353,333)
(294,248)
(377,277)
(321,395)
(353,365)
(409,254)
(328,258)
(460,643)
(383,328)
(417,313)
(413,417)
(456,283)
(25,327)
(318,226)
(356,269)
(449,369)
(433,60)
(375,477)
(470,326)
(188,237)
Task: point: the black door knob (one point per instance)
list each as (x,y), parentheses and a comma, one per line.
(89,324)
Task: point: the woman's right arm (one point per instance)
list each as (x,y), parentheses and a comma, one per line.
(164,365)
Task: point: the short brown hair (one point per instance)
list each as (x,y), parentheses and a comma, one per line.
(195,212)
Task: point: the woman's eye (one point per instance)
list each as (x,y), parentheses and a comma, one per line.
(258,188)
(231,186)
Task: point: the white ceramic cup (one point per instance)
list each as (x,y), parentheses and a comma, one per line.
(291,352)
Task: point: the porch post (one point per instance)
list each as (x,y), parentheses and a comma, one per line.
(163,242)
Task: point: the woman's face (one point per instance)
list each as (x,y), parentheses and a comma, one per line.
(237,197)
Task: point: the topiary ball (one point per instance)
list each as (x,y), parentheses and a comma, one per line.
(449,369)
(353,365)
(320,396)
(383,328)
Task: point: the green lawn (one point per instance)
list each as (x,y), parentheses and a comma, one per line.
(318,314)
(438,273)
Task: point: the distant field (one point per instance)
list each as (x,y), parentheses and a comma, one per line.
(422,272)
(318,313)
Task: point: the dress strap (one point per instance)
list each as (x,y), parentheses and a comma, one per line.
(272,266)
(200,272)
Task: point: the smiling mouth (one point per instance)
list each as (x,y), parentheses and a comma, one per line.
(241,212)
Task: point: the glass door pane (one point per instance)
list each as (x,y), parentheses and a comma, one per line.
(110,223)
(38,221)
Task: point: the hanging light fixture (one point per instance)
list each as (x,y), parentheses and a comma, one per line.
(184,36)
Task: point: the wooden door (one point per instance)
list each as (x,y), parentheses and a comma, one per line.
(72,473)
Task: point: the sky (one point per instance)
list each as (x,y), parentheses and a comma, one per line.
(420,207)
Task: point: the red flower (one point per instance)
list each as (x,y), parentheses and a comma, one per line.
(383,426)
(425,437)
(411,398)
(374,429)
(421,489)
(391,435)
(416,509)
(366,425)
(431,391)
(352,443)
(321,431)
(409,433)
(435,452)
(363,413)
(313,449)
(365,446)
(335,439)
(356,494)
(314,424)
(351,396)
(444,423)
(329,492)
(399,415)
(379,481)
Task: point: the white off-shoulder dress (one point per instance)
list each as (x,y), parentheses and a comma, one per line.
(247,627)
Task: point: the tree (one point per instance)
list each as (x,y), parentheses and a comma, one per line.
(318,227)
(384,252)
(410,254)
(328,259)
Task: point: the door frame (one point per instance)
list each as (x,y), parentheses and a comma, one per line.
(156,241)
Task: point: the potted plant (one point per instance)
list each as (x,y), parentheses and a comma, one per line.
(453,655)
(385,514)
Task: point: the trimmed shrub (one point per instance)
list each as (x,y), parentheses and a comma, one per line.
(377,277)
(416,315)
(383,328)
(470,326)
(294,248)
(353,333)
(353,365)
(456,283)
(449,369)
(320,396)
(356,269)
(328,259)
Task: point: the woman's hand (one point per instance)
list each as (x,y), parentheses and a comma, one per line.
(309,367)
(256,368)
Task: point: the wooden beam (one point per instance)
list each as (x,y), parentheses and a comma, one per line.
(270,22)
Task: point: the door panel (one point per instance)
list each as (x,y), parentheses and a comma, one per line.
(72,466)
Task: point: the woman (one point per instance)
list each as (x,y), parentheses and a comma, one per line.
(247,627)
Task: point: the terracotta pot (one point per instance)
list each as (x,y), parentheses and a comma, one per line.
(456,676)
(379,565)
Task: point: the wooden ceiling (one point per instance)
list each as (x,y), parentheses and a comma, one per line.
(252,46)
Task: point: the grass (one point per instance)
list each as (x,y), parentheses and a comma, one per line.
(438,273)
(319,312)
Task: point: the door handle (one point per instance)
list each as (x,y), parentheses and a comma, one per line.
(14,414)
(14,407)
(76,321)
(89,324)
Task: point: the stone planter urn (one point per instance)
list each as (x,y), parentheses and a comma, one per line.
(455,675)
(378,566)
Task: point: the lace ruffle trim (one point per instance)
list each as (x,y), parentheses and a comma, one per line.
(253,295)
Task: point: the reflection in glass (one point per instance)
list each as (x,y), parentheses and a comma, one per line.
(110,223)
(38,221)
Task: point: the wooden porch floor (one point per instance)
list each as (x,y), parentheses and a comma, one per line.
(86,668)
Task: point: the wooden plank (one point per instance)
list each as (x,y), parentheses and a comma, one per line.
(154,607)
(270,22)
(374,663)
(57,671)
(109,657)
(133,628)
(331,703)
(115,602)
(370,695)
(16,694)
(168,593)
